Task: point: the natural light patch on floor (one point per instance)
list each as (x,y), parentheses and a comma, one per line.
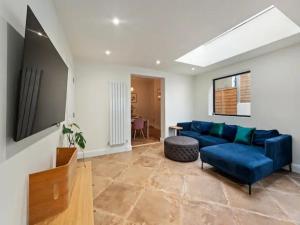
(264,28)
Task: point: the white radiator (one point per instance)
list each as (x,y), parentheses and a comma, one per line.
(118,105)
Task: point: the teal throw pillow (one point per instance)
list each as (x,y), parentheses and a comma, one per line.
(244,135)
(217,129)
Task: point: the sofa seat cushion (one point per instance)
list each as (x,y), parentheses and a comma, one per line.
(208,140)
(244,162)
(189,133)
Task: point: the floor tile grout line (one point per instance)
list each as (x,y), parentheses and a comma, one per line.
(282,192)
(108,213)
(278,204)
(140,195)
(225,193)
(292,180)
(110,182)
(206,201)
(184,188)
(263,215)
(164,191)
(134,205)
(236,219)
(237,208)
(131,207)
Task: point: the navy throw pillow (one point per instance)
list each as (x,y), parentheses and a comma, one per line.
(229,132)
(260,136)
(205,127)
(195,126)
(201,127)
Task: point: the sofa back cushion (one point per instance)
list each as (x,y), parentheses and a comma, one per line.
(205,127)
(201,127)
(195,126)
(260,136)
(229,132)
(244,135)
(217,129)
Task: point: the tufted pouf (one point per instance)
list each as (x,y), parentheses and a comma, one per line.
(181,148)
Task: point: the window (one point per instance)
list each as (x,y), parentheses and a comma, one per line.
(232,95)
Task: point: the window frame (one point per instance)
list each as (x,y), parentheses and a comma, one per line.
(214,93)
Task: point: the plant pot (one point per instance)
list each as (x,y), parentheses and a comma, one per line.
(50,190)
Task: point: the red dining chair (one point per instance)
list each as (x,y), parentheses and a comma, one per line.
(138,124)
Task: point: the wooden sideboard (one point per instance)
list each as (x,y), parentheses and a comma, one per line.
(62,195)
(80,210)
(50,190)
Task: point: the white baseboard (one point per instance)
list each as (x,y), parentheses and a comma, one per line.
(296,168)
(127,148)
(104,151)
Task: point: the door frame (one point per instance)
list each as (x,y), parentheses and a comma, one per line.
(162,101)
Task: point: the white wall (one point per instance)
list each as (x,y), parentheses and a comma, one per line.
(37,152)
(92,99)
(275,94)
(2,90)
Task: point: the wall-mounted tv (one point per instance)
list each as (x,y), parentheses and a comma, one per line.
(43,82)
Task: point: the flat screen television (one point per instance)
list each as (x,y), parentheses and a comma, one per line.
(43,81)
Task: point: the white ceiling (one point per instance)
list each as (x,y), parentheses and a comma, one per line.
(159,29)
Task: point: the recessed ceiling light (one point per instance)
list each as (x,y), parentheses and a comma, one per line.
(107,52)
(266,27)
(157,62)
(116,21)
(193,68)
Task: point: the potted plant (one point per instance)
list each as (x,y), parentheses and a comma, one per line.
(74,136)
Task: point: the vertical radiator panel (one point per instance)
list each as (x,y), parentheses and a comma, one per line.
(118,112)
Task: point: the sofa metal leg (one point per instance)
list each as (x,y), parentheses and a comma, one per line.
(250,190)
(290,167)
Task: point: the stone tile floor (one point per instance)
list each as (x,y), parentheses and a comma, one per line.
(143,188)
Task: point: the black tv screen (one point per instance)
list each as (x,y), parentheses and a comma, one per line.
(43,82)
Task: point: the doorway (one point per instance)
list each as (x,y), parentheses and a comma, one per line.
(147,107)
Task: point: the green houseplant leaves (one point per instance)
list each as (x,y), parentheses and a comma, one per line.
(74,135)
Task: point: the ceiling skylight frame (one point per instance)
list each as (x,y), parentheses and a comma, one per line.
(241,24)
(202,56)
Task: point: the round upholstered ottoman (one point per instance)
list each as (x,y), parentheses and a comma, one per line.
(181,149)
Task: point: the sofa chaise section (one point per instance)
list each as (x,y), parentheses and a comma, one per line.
(268,151)
(249,163)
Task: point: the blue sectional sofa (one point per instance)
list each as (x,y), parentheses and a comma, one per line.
(268,151)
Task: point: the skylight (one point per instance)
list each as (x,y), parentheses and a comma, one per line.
(264,28)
